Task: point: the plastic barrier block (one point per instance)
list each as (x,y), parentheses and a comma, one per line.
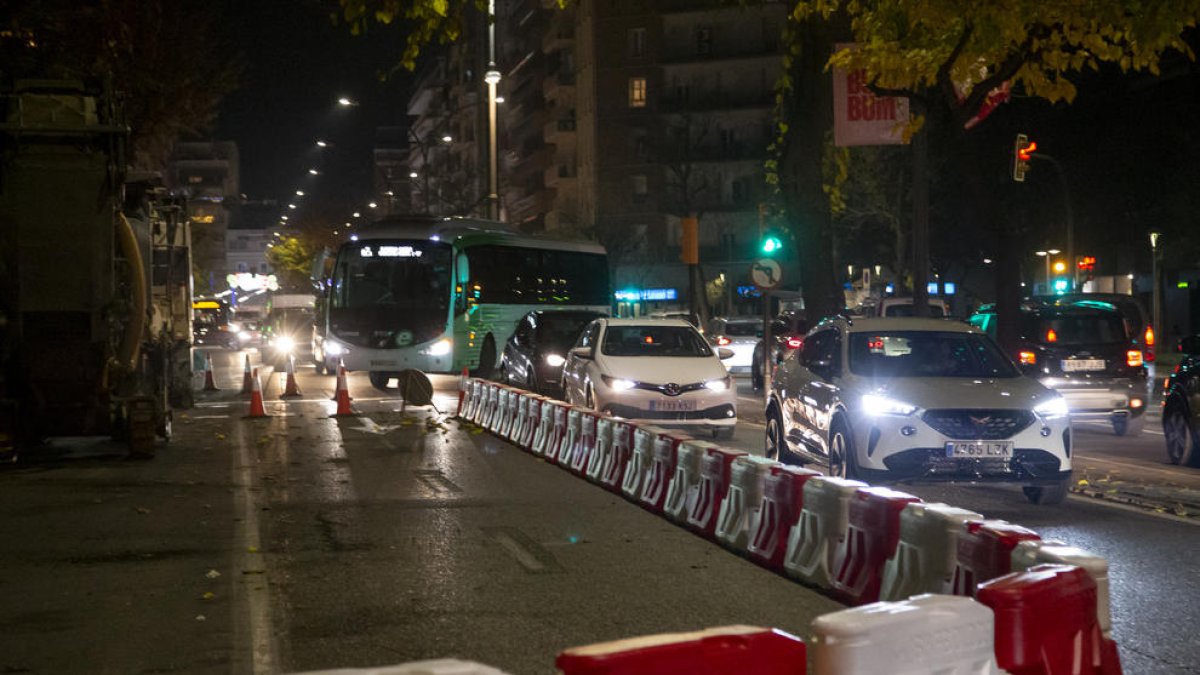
(1046,623)
(742,501)
(604,446)
(532,422)
(517,409)
(924,559)
(715,468)
(487,404)
(782,498)
(642,454)
(434,667)
(656,485)
(464,409)
(570,439)
(985,552)
(478,393)
(1030,553)
(714,651)
(685,482)
(500,411)
(559,432)
(612,471)
(544,428)
(519,419)
(941,634)
(820,529)
(871,538)
(581,454)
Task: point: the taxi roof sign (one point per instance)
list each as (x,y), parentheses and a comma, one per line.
(206,304)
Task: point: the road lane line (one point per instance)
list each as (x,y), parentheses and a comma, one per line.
(249,559)
(527,552)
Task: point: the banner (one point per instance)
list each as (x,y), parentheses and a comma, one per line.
(862,118)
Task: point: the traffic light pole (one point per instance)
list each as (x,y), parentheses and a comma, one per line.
(767,345)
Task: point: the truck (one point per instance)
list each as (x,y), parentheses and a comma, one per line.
(95,275)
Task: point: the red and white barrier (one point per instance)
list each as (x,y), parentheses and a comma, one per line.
(474,400)
(927,634)
(487,404)
(715,651)
(570,438)
(500,410)
(985,552)
(529,425)
(1031,553)
(559,432)
(782,498)
(604,440)
(820,530)
(715,465)
(871,538)
(511,399)
(685,482)
(740,507)
(1046,623)
(543,433)
(581,454)
(638,469)
(614,463)
(925,557)
(434,667)
(656,486)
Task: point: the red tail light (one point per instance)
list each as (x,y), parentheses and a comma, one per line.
(795,342)
(1149,336)
(1133,357)
(1027,358)
(1051,336)
(722,341)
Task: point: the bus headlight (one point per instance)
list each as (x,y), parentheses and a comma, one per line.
(554,360)
(334,348)
(244,336)
(440,348)
(285,344)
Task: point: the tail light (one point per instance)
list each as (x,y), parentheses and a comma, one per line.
(1051,336)
(1133,358)
(795,342)
(1148,338)
(722,341)
(1027,358)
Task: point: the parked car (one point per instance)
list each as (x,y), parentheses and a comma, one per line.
(660,370)
(739,335)
(534,355)
(1084,352)
(787,334)
(890,400)
(1181,406)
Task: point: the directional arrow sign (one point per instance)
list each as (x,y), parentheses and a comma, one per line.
(766,273)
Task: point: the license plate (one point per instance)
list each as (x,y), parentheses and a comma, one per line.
(1076,365)
(980,449)
(671,405)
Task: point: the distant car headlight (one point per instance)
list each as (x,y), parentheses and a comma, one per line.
(1053,409)
(284,343)
(618,384)
(334,348)
(718,385)
(554,360)
(244,336)
(440,348)
(874,404)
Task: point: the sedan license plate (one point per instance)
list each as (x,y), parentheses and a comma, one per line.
(980,449)
(1078,365)
(671,405)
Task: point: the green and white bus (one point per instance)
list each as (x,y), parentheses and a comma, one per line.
(438,295)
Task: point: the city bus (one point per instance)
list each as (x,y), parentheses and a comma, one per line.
(439,295)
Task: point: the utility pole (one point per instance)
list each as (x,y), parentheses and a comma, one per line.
(492,78)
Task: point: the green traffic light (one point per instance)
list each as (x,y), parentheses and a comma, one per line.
(771,245)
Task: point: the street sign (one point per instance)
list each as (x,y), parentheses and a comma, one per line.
(766,273)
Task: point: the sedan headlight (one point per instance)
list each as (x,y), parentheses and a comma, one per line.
(1055,408)
(440,348)
(244,336)
(618,384)
(285,344)
(334,348)
(719,385)
(874,404)
(555,360)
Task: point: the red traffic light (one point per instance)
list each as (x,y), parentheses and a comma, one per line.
(1026,150)
(1087,263)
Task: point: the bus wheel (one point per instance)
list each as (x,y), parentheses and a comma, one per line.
(487,358)
(379,380)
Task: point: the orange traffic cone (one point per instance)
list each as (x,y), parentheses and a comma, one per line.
(246,385)
(291,389)
(341,368)
(209,383)
(256,399)
(464,381)
(342,395)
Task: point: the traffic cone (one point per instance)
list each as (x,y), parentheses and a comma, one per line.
(291,389)
(342,395)
(256,398)
(209,383)
(464,381)
(341,368)
(246,384)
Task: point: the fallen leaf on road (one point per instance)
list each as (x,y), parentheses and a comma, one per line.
(476,432)
(209,595)
(201,617)
(252,549)
(220,437)
(142,509)
(1083,481)
(212,574)
(254,571)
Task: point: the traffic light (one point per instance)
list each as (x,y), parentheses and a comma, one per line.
(1087,263)
(1023,151)
(771,244)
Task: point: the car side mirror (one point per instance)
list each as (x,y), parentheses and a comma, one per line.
(822,367)
(581,352)
(1190,344)
(724,353)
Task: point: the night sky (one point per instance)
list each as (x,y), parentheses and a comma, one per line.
(296,65)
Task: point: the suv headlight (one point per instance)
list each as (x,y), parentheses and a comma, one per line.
(719,385)
(618,384)
(1053,409)
(555,360)
(284,343)
(874,404)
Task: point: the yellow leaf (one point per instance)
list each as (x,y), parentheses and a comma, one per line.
(1082,482)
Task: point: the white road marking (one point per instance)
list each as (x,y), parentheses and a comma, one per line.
(253,589)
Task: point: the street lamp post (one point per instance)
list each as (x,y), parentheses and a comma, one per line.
(492,78)
(1047,254)
(1156,318)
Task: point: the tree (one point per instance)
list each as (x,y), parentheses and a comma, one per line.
(292,258)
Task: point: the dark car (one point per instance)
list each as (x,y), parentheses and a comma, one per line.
(1136,317)
(288,330)
(1085,352)
(787,334)
(1181,406)
(534,355)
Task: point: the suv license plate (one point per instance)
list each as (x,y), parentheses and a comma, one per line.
(980,449)
(670,405)
(1076,365)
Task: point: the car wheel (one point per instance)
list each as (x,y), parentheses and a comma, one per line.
(841,450)
(1048,495)
(531,383)
(775,442)
(1124,425)
(502,373)
(379,380)
(487,359)
(1181,444)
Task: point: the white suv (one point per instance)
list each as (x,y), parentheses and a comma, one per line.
(889,400)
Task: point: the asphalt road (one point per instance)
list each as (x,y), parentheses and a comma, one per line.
(389,537)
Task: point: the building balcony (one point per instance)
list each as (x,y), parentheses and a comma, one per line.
(715,102)
(559,174)
(558,38)
(558,84)
(559,130)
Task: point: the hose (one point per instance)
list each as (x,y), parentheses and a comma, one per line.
(131,342)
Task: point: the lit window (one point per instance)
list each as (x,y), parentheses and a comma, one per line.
(637,92)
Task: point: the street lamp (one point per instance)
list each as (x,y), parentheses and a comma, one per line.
(314,172)
(346,102)
(299,193)
(1156,317)
(322,144)
(1047,254)
(447,138)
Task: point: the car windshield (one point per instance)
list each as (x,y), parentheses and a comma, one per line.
(650,340)
(1083,329)
(743,328)
(561,330)
(927,354)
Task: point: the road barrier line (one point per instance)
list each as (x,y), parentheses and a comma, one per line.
(254,591)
